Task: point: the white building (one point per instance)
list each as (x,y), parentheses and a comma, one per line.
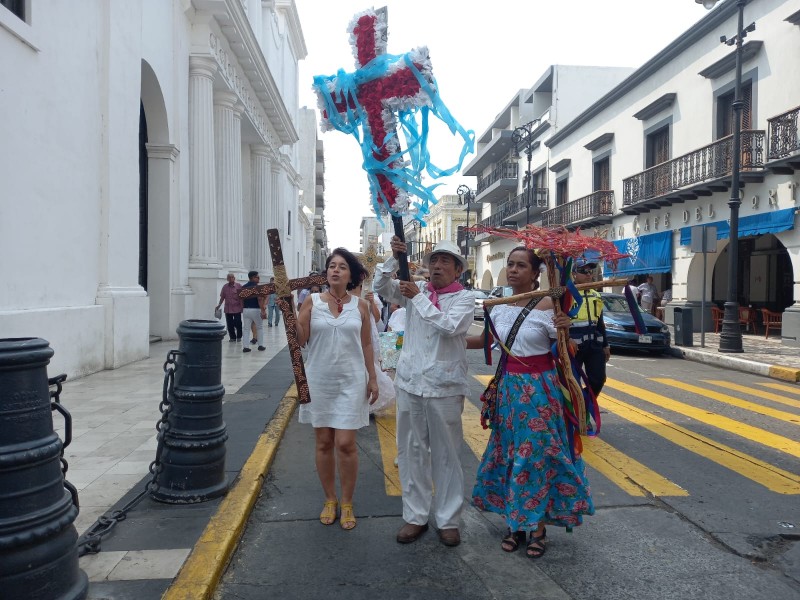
(148,145)
(651,158)
(514,189)
(371,231)
(312,194)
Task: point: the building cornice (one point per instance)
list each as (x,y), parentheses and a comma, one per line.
(696,33)
(656,106)
(600,141)
(235,27)
(728,62)
(289,9)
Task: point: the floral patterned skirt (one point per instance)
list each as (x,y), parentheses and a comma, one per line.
(527,474)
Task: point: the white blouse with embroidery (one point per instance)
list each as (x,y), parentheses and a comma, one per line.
(535,335)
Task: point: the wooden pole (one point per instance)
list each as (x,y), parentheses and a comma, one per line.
(556,292)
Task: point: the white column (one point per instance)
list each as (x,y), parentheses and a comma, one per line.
(261,181)
(228,161)
(202,187)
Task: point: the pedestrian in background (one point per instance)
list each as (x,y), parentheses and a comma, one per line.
(274,313)
(431,380)
(649,294)
(229,294)
(255,311)
(341,379)
(527,474)
(588,329)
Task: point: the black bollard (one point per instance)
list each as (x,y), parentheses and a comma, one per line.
(192,461)
(38,551)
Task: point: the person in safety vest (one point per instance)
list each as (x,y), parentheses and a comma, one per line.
(588,329)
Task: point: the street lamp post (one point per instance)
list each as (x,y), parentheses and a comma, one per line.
(465,196)
(522,140)
(730,339)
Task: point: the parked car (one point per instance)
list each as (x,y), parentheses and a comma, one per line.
(501,291)
(480,296)
(621,330)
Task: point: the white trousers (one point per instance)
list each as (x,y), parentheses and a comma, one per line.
(429,438)
(252,315)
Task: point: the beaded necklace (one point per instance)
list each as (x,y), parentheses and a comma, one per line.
(338,301)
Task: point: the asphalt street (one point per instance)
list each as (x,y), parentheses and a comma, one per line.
(695,481)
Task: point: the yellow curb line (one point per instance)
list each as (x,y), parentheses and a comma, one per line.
(784,373)
(202,571)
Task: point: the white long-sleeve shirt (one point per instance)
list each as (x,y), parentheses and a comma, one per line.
(433,362)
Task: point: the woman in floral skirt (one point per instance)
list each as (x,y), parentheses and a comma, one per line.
(527,474)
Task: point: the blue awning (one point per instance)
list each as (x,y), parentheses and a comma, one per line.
(772,222)
(648,254)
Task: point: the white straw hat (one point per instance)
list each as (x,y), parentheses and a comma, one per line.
(446,247)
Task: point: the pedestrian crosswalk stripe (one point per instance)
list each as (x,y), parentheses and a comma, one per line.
(792,389)
(386,426)
(756,434)
(762,473)
(628,474)
(757,393)
(732,400)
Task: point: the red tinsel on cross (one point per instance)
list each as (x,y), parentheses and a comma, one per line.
(559,241)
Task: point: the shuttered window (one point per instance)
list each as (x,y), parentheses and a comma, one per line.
(725,112)
(562,192)
(602,175)
(15,6)
(657,147)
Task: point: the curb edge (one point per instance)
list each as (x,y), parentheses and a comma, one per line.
(203,569)
(740,364)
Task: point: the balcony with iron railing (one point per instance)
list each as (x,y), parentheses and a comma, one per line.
(784,141)
(517,209)
(498,183)
(693,174)
(591,210)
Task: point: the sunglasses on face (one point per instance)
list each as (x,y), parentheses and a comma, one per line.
(583,271)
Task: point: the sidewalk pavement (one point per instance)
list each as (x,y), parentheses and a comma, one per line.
(761,356)
(114,416)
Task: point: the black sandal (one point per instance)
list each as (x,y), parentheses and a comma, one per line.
(512,541)
(536,545)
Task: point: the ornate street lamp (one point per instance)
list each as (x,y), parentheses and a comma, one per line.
(522,140)
(466,196)
(730,339)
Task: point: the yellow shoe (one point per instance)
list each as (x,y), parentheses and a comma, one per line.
(347,519)
(328,514)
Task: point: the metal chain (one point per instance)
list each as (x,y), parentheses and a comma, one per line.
(89,542)
(55,405)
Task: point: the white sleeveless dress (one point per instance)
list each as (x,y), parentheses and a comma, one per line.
(337,378)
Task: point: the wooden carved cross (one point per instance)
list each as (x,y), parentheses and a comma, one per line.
(283,288)
(369,260)
(379,94)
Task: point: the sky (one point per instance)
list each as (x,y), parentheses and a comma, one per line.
(482,53)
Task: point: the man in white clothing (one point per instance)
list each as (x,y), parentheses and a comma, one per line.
(649,294)
(431,382)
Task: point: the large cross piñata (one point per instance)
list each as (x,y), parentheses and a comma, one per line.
(282,288)
(384,91)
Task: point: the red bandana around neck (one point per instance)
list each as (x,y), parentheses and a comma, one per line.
(448,289)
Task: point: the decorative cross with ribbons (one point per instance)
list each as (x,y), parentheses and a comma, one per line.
(384,89)
(369,260)
(283,288)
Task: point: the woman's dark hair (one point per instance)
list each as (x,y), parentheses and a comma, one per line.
(533,258)
(357,270)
